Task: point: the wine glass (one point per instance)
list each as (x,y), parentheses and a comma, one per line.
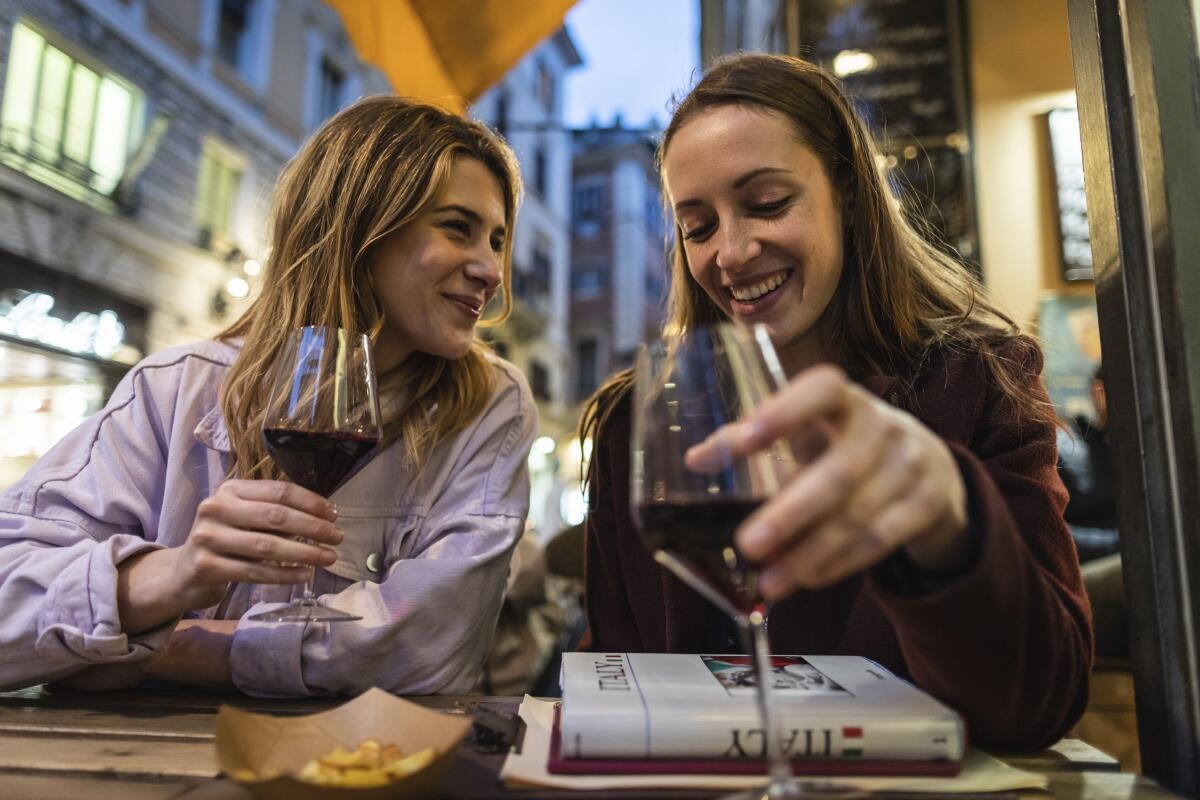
(321,426)
(685,388)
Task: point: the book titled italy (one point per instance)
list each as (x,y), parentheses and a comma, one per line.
(681,706)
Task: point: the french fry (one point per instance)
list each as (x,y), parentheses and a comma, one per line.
(371,764)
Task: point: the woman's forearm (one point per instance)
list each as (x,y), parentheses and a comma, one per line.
(197,655)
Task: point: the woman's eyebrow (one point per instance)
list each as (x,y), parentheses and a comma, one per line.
(754,173)
(466,212)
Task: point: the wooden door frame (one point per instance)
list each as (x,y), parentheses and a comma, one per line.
(1138,89)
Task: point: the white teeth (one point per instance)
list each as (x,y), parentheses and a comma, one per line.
(747,294)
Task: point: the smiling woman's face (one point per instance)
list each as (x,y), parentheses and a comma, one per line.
(434,276)
(761,223)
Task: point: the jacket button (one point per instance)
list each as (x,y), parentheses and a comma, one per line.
(374,562)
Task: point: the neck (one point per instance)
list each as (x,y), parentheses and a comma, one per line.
(388,355)
(802,354)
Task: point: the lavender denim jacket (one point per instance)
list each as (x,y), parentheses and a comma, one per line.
(424,560)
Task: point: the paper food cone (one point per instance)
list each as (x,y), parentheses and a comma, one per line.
(267,745)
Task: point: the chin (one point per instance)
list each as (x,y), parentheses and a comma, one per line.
(451,351)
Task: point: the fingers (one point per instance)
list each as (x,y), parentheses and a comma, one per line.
(816,394)
(213,567)
(819,490)
(252,515)
(281,493)
(848,538)
(831,552)
(277,506)
(239,543)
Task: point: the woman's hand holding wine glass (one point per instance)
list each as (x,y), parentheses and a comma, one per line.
(243,533)
(881,481)
(249,531)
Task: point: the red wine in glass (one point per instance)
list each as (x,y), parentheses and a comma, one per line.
(700,537)
(320,462)
(321,427)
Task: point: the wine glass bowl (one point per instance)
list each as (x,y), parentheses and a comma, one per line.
(321,426)
(687,387)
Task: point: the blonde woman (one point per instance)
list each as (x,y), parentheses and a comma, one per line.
(138,546)
(927,534)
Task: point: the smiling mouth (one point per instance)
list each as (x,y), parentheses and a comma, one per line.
(751,293)
(470,305)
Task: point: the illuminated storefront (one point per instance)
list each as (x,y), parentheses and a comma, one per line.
(64,346)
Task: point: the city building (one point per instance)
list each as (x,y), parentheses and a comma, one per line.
(139,142)
(526,107)
(618,257)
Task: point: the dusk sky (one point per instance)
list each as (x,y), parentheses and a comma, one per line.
(636,54)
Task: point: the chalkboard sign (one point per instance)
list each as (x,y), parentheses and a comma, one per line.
(902,62)
(933,186)
(900,59)
(1067,158)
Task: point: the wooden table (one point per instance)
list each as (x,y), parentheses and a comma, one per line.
(154,745)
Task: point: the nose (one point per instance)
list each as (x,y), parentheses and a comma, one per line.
(485,269)
(736,245)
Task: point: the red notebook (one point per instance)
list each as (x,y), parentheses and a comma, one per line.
(558,765)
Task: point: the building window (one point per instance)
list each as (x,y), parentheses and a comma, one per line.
(541,264)
(588,283)
(216,191)
(330,89)
(586,210)
(539,171)
(62,119)
(520,283)
(502,113)
(233,28)
(545,85)
(585,365)
(539,380)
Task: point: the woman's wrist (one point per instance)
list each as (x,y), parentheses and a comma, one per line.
(148,591)
(946,550)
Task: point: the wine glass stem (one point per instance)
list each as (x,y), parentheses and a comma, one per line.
(308,598)
(754,632)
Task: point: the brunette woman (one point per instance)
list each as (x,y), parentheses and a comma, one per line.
(926,529)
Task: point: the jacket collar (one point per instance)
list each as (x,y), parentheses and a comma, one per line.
(212,433)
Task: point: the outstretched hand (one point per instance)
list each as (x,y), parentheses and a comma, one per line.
(882,481)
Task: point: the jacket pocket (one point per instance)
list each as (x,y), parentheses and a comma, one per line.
(376,537)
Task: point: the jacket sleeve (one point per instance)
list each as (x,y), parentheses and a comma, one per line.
(80,511)
(611,622)
(1009,642)
(428,625)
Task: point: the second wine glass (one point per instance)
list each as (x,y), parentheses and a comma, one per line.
(321,427)
(685,388)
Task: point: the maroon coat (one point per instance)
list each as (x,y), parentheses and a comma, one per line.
(1008,643)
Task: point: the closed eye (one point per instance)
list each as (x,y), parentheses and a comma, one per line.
(697,233)
(459,226)
(771,208)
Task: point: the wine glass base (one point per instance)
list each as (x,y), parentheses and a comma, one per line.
(795,790)
(304,612)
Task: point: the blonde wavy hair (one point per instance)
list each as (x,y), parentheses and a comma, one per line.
(366,173)
(899,298)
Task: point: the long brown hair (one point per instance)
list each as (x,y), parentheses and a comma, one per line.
(367,172)
(899,298)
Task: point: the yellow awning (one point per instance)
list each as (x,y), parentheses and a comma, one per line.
(447,51)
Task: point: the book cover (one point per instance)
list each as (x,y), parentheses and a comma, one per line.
(671,705)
